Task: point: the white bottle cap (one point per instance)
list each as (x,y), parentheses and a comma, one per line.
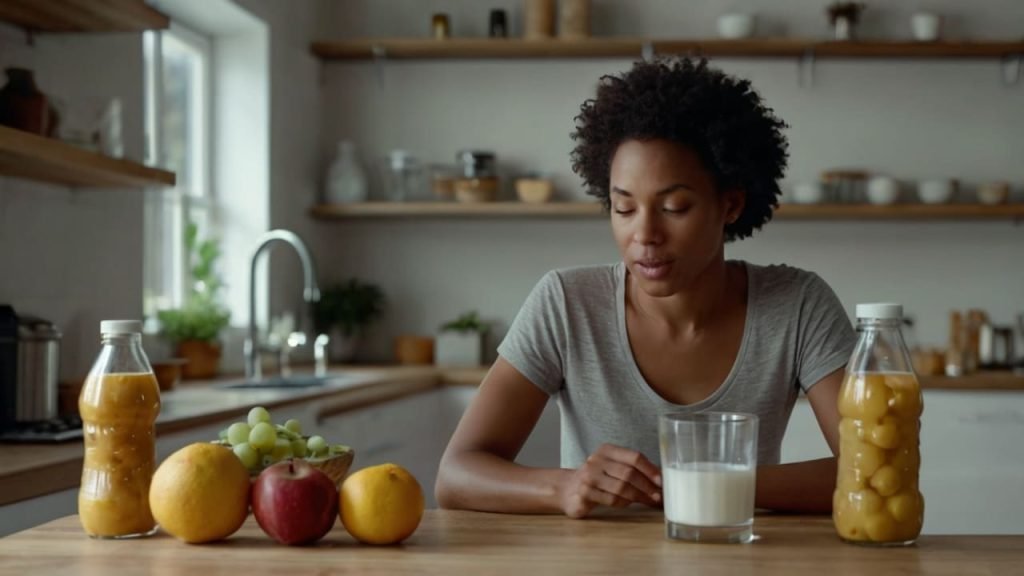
(882,311)
(121,327)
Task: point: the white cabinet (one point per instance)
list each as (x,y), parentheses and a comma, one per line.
(406,431)
(972,460)
(414,431)
(542,448)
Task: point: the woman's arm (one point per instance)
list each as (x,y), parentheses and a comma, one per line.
(807,486)
(478,471)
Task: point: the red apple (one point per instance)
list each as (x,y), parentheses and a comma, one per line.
(294,503)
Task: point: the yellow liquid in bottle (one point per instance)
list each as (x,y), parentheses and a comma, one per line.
(877,499)
(118,414)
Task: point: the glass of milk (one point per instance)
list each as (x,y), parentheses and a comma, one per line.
(709,462)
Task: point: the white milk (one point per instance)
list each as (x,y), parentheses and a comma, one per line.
(709,494)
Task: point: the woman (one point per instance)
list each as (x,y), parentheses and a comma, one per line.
(685,159)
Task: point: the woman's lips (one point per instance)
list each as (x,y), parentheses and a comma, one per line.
(653,269)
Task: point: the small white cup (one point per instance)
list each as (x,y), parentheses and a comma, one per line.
(883,190)
(926,26)
(736,25)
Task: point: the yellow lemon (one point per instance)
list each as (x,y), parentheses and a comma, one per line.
(200,493)
(381,504)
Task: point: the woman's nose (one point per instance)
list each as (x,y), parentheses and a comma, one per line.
(648,228)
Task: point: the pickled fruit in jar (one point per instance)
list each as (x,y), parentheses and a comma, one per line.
(877,498)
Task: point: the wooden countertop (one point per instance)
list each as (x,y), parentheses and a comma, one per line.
(457,542)
(30,470)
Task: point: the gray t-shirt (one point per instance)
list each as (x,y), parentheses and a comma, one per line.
(570,340)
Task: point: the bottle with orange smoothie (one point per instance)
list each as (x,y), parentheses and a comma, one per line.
(119,404)
(877,499)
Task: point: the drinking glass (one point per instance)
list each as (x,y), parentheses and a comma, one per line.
(709,464)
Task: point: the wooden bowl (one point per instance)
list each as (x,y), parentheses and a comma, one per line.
(335,466)
(534,190)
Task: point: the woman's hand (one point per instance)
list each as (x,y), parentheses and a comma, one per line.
(611,476)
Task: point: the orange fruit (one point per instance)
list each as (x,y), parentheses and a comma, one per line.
(381,504)
(200,493)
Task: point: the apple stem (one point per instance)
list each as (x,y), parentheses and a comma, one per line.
(291,466)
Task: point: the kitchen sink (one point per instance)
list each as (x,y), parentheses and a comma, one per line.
(280,382)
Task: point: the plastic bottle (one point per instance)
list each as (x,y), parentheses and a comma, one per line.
(877,499)
(119,403)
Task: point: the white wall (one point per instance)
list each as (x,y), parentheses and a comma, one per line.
(75,256)
(910,119)
(295,124)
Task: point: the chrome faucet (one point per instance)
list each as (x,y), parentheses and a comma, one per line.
(311,293)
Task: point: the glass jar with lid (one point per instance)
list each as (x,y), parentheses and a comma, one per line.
(877,499)
(479,176)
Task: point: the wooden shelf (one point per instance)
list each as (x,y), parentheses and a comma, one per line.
(455,209)
(489,48)
(82,15)
(26,155)
(593,210)
(985,380)
(901,212)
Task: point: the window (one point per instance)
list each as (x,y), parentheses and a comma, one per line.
(178,100)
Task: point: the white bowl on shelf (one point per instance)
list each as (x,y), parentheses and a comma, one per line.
(883,190)
(736,25)
(808,193)
(939,191)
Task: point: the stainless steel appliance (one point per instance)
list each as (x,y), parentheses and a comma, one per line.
(29,370)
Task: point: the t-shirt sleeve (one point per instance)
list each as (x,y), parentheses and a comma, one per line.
(826,338)
(536,342)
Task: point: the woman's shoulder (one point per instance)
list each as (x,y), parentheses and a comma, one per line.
(582,280)
(785,281)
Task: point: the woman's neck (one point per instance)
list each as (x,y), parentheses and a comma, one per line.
(692,309)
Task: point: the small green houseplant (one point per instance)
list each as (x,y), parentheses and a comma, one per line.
(194,328)
(343,313)
(461,341)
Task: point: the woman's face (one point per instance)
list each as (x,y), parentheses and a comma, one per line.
(667,217)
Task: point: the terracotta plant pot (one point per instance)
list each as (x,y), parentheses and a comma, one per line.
(203,358)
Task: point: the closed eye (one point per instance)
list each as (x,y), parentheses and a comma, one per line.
(682,210)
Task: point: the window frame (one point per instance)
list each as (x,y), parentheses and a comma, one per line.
(184,202)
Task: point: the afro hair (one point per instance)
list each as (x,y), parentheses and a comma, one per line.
(721,118)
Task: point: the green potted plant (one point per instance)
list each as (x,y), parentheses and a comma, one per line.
(461,341)
(343,313)
(194,328)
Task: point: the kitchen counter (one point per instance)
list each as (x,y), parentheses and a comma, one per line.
(458,542)
(30,470)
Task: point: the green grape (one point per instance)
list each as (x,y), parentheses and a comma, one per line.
(262,437)
(257,415)
(282,450)
(283,432)
(238,433)
(316,444)
(248,455)
(267,460)
(299,448)
(293,426)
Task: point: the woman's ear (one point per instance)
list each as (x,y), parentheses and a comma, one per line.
(733,202)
